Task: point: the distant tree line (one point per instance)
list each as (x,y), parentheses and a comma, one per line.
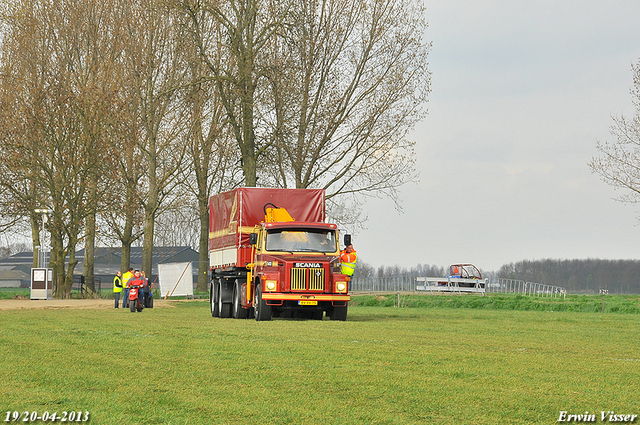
(366,271)
(579,276)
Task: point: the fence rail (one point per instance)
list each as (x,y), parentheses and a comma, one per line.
(384,284)
(525,288)
(495,285)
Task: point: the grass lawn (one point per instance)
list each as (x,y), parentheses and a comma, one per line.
(383,366)
(502,301)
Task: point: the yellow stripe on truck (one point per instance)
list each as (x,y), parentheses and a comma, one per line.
(245,230)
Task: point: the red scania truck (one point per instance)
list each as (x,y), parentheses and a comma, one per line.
(271,254)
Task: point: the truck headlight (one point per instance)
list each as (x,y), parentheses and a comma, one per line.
(341,286)
(270,285)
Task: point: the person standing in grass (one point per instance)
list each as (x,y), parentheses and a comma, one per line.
(125,279)
(117,287)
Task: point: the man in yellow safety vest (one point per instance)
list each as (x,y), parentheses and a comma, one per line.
(125,279)
(117,287)
(348,257)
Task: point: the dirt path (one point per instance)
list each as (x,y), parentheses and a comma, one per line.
(73,303)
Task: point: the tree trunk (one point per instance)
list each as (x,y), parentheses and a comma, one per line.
(35,237)
(57,264)
(150,210)
(73,262)
(63,278)
(248,144)
(90,239)
(203,268)
(147,245)
(127,232)
(249,168)
(125,254)
(89,254)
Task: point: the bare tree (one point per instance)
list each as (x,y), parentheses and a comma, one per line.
(320,94)
(122,215)
(155,58)
(18,183)
(18,197)
(619,162)
(235,62)
(349,80)
(211,149)
(59,53)
(98,79)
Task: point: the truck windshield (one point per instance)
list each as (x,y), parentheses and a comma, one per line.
(305,240)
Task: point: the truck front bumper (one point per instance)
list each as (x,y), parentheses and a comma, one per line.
(279,296)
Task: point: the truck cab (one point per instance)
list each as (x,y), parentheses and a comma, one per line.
(296,271)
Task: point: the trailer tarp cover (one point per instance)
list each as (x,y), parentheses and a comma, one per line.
(233,214)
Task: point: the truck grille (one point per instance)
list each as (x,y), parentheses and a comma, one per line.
(307,278)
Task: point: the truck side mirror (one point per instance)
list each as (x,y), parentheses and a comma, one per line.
(347,240)
(253,238)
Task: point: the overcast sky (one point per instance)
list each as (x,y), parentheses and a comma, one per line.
(521,93)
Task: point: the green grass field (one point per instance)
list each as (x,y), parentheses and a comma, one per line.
(384,365)
(497,301)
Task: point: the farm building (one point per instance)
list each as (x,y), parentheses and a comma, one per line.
(15,270)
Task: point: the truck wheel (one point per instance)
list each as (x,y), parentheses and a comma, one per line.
(238,311)
(213,299)
(262,310)
(339,313)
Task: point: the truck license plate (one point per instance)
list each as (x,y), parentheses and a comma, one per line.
(307,302)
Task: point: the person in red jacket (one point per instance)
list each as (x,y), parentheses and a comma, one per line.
(138,280)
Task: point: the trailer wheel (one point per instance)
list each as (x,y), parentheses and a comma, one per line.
(262,310)
(238,311)
(223,308)
(339,313)
(213,298)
